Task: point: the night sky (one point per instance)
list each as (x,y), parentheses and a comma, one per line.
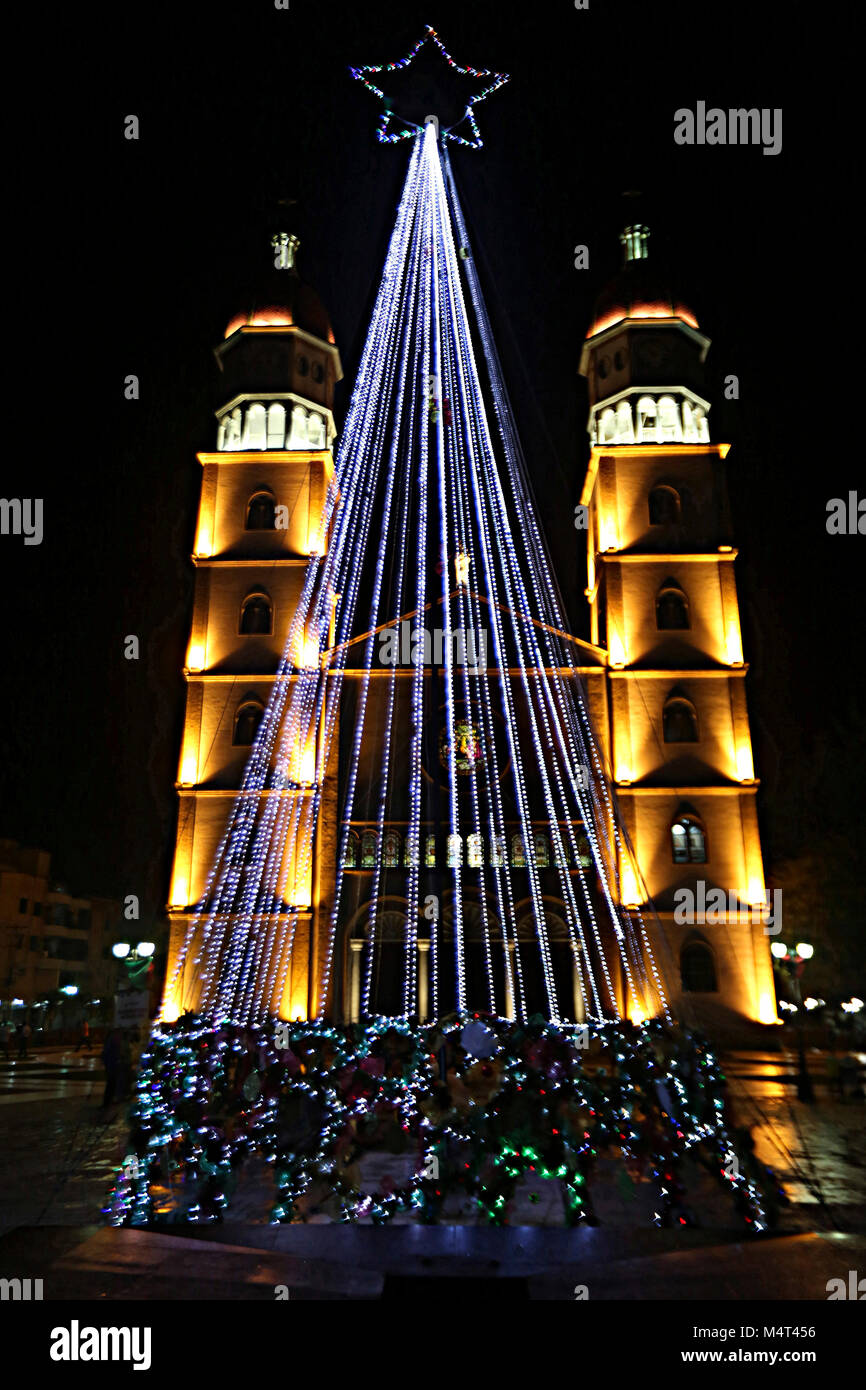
(145,250)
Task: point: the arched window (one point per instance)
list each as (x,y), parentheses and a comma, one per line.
(680,721)
(664,506)
(352,850)
(584,853)
(608,426)
(698,969)
(647,429)
(299,438)
(454,851)
(669,426)
(672,608)
(430,852)
(688,841)
(315,431)
(257,615)
(560,851)
(410,852)
(542,849)
(232,438)
(475,852)
(518,852)
(247,721)
(256,431)
(261,511)
(276,425)
(391,849)
(497,852)
(702,424)
(690,428)
(369,849)
(624,426)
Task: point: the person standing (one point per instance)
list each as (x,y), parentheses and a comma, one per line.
(24,1031)
(84,1037)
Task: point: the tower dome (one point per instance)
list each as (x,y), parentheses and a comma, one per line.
(640,290)
(282,299)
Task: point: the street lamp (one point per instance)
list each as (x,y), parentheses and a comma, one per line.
(792,962)
(137,959)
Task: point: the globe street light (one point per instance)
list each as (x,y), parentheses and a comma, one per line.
(792,962)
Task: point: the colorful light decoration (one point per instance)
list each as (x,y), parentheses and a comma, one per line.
(491,80)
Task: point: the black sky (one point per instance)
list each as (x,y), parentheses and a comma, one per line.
(139,253)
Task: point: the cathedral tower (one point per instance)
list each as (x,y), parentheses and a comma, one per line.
(262,494)
(663,602)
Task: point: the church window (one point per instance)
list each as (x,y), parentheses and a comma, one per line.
(256,430)
(391,850)
(542,849)
(624,429)
(410,852)
(680,721)
(698,969)
(369,849)
(688,841)
(261,512)
(430,852)
(647,431)
(690,428)
(317,372)
(497,852)
(352,850)
(664,506)
(247,721)
(256,615)
(315,431)
(669,426)
(475,852)
(584,853)
(455,851)
(518,852)
(672,608)
(303,366)
(276,425)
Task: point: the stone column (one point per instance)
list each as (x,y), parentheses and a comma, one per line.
(355,949)
(423,979)
(579,1007)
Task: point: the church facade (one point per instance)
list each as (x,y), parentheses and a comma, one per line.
(663,672)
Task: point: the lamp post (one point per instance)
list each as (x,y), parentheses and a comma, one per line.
(793,962)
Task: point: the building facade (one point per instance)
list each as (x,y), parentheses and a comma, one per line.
(663,672)
(50,939)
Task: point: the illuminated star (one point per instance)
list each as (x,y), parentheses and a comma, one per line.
(483,79)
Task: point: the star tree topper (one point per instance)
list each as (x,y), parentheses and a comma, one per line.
(490,80)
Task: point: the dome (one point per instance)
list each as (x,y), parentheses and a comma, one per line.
(640,290)
(283,300)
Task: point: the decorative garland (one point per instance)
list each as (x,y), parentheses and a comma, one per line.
(481,1100)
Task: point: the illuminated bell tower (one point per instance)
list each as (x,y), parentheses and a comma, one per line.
(664,604)
(262,495)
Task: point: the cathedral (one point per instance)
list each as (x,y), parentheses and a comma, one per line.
(663,677)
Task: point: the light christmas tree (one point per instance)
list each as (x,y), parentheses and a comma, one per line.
(428,527)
